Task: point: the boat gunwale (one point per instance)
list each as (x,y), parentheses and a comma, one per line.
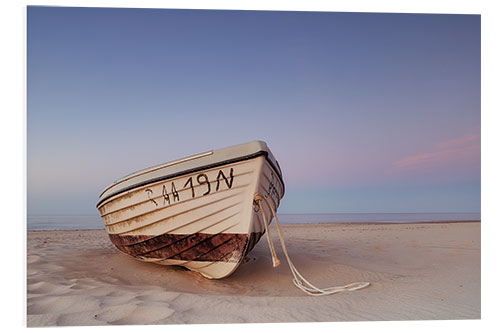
(264,153)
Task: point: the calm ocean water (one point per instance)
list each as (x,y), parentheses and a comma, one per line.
(68,222)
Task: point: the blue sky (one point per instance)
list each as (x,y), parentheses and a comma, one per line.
(365,112)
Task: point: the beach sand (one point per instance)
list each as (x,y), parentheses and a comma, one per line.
(417,271)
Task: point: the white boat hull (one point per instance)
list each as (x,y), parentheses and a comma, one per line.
(205,221)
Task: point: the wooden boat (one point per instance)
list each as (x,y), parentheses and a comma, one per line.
(198,212)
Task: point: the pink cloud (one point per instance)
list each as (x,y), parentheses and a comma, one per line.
(456,151)
(461,142)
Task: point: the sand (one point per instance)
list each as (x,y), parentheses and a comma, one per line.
(418,271)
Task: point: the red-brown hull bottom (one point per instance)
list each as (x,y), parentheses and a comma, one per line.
(193,247)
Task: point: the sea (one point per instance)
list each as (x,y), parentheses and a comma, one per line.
(75,222)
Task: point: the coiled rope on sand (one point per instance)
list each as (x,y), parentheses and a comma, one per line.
(298,280)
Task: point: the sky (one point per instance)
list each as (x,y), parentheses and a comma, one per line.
(365,112)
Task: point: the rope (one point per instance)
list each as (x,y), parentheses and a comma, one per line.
(298,280)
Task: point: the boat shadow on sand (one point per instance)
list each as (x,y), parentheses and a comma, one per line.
(254,277)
